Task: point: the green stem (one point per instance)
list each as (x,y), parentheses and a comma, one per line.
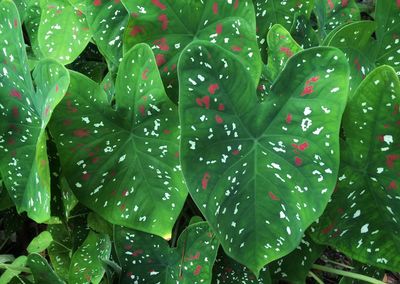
(339,264)
(15,268)
(316,278)
(347,274)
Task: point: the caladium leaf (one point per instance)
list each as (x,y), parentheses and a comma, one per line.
(63,31)
(361,219)
(295,266)
(273,12)
(32,22)
(146,258)
(261,173)
(40,242)
(281,46)
(303,32)
(86,262)
(355,40)
(25,114)
(123,164)
(42,271)
(387,18)
(333,13)
(169,26)
(60,251)
(228,271)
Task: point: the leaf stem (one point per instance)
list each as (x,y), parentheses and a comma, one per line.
(316,278)
(347,274)
(15,268)
(339,264)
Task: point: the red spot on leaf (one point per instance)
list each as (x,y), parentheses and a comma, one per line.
(205,101)
(57,88)
(125,193)
(236,48)
(137,252)
(328,229)
(204,180)
(390,159)
(67,122)
(197,270)
(164,21)
(212,88)
(218,29)
(15,112)
(135,30)
(159,4)
(144,74)
(331,5)
(11,141)
(273,196)
(301,147)
(97,2)
(221,107)
(142,110)
(235,6)
(194,257)
(160,59)
(345,3)
(81,133)
(398,3)
(15,23)
(307,90)
(86,176)
(15,94)
(392,185)
(218,119)
(235,152)
(298,161)
(287,51)
(215,8)
(162,44)
(167,131)
(288,118)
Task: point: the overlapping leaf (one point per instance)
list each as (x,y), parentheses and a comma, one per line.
(63,31)
(303,32)
(169,26)
(362,218)
(260,172)
(146,258)
(86,262)
(42,271)
(123,163)
(25,114)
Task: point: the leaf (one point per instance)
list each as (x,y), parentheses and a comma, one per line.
(295,266)
(86,262)
(60,250)
(261,173)
(279,12)
(98,224)
(25,114)
(281,46)
(169,26)
(148,259)
(32,22)
(303,32)
(228,271)
(333,13)
(355,40)
(9,274)
(42,271)
(363,269)
(63,31)
(387,15)
(123,164)
(5,200)
(361,220)
(40,242)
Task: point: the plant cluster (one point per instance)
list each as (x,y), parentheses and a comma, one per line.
(199,141)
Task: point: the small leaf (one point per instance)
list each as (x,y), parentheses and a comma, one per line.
(19,263)
(42,271)
(60,250)
(40,242)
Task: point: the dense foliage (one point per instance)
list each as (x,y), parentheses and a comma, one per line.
(197,141)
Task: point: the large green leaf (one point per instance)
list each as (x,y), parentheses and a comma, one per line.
(63,31)
(334,13)
(42,271)
(123,163)
(169,26)
(362,218)
(272,12)
(146,258)
(60,249)
(355,40)
(387,18)
(86,262)
(25,114)
(261,173)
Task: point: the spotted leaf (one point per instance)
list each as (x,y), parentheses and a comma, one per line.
(295,266)
(334,13)
(228,271)
(261,173)
(123,163)
(355,40)
(60,250)
(281,46)
(303,32)
(147,258)
(63,31)
(86,262)
(361,220)
(25,114)
(42,271)
(272,12)
(387,18)
(169,26)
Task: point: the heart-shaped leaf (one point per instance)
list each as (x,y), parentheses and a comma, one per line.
(362,218)
(146,258)
(169,26)
(40,242)
(42,271)
(123,163)
(261,173)
(63,31)
(279,12)
(25,114)
(86,262)
(334,13)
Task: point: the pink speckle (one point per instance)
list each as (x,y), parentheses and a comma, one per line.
(221,107)
(15,23)
(204,180)
(67,122)
(236,5)
(144,74)
(15,112)
(298,161)
(307,90)
(273,196)
(197,270)
(390,159)
(86,176)
(218,119)
(345,3)
(289,118)
(164,21)
(218,29)
(160,59)
(15,94)
(212,88)
(205,101)
(57,88)
(142,110)
(236,48)
(81,133)
(159,4)
(301,147)
(398,3)
(235,152)
(215,8)
(97,2)
(287,51)
(328,229)
(331,5)
(162,44)
(135,30)
(392,185)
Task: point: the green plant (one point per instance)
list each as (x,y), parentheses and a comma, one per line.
(203,141)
